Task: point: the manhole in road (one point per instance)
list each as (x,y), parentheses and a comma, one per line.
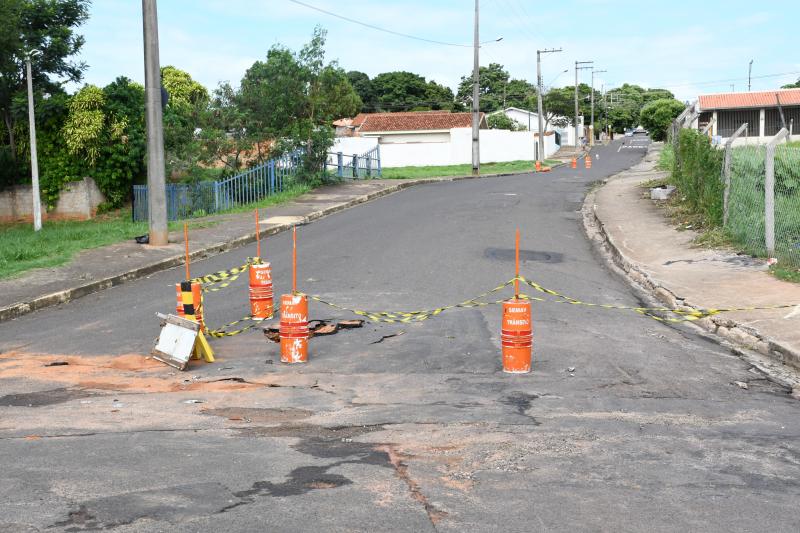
(508,254)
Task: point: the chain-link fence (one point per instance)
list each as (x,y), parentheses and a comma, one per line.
(763,208)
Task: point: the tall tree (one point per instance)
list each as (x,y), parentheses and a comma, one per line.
(43,25)
(400,91)
(497,89)
(363,86)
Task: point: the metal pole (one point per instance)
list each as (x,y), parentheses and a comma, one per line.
(539,105)
(591,128)
(749,75)
(476,107)
(37,202)
(577,68)
(157,196)
(576,104)
(539,98)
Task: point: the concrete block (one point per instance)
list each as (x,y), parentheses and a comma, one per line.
(662,193)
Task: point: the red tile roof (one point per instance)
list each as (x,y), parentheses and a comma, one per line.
(413,121)
(753,99)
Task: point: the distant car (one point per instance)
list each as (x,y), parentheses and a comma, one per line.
(639,129)
(628,133)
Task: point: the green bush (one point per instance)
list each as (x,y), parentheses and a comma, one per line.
(697,174)
(657,116)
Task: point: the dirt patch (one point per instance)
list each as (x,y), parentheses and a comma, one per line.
(131,372)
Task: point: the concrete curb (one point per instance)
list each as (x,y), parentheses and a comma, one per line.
(736,333)
(19,309)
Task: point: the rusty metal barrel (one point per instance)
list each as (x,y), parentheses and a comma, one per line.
(516,336)
(294,328)
(262,301)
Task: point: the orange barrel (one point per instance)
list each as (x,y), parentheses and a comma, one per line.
(588,161)
(192,300)
(516,336)
(538,166)
(179,302)
(294,328)
(574,162)
(261,297)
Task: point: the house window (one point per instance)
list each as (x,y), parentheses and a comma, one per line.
(773,122)
(729,120)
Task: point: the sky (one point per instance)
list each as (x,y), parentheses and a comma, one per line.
(689,47)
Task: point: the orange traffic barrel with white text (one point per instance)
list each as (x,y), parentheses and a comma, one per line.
(516,336)
(294,328)
(588,160)
(261,297)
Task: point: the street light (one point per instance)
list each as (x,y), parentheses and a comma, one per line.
(550,85)
(591,128)
(37,202)
(577,68)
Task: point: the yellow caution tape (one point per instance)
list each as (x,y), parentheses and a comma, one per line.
(224,278)
(393,317)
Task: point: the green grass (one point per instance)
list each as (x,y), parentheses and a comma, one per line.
(785,274)
(22,249)
(399,173)
(290,193)
(666,159)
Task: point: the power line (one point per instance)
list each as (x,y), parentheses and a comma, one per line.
(378,28)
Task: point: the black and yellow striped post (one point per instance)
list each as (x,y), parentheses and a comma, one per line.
(191,296)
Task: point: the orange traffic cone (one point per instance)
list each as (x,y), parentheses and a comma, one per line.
(574,162)
(588,161)
(538,166)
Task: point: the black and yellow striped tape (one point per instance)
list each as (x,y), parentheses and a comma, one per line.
(222,279)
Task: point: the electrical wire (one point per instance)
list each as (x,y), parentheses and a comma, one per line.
(378,28)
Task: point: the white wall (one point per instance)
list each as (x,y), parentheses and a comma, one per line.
(496,146)
(353,145)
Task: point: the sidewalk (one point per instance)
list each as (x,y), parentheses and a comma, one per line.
(100,268)
(662,260)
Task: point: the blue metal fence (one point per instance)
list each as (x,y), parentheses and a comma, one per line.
(366,165)
(186,200)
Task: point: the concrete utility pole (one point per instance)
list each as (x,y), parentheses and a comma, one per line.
(476,105)
(577,68)
(156,189)
(749,75)
(37,202)
(539,108)
(591,128)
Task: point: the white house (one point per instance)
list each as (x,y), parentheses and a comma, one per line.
(530,120)
(435,138)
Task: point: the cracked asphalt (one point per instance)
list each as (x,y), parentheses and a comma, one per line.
(419,432)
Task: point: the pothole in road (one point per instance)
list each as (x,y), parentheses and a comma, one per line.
(508,254)
(43,398)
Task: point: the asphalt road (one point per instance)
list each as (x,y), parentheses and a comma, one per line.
(398,427)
